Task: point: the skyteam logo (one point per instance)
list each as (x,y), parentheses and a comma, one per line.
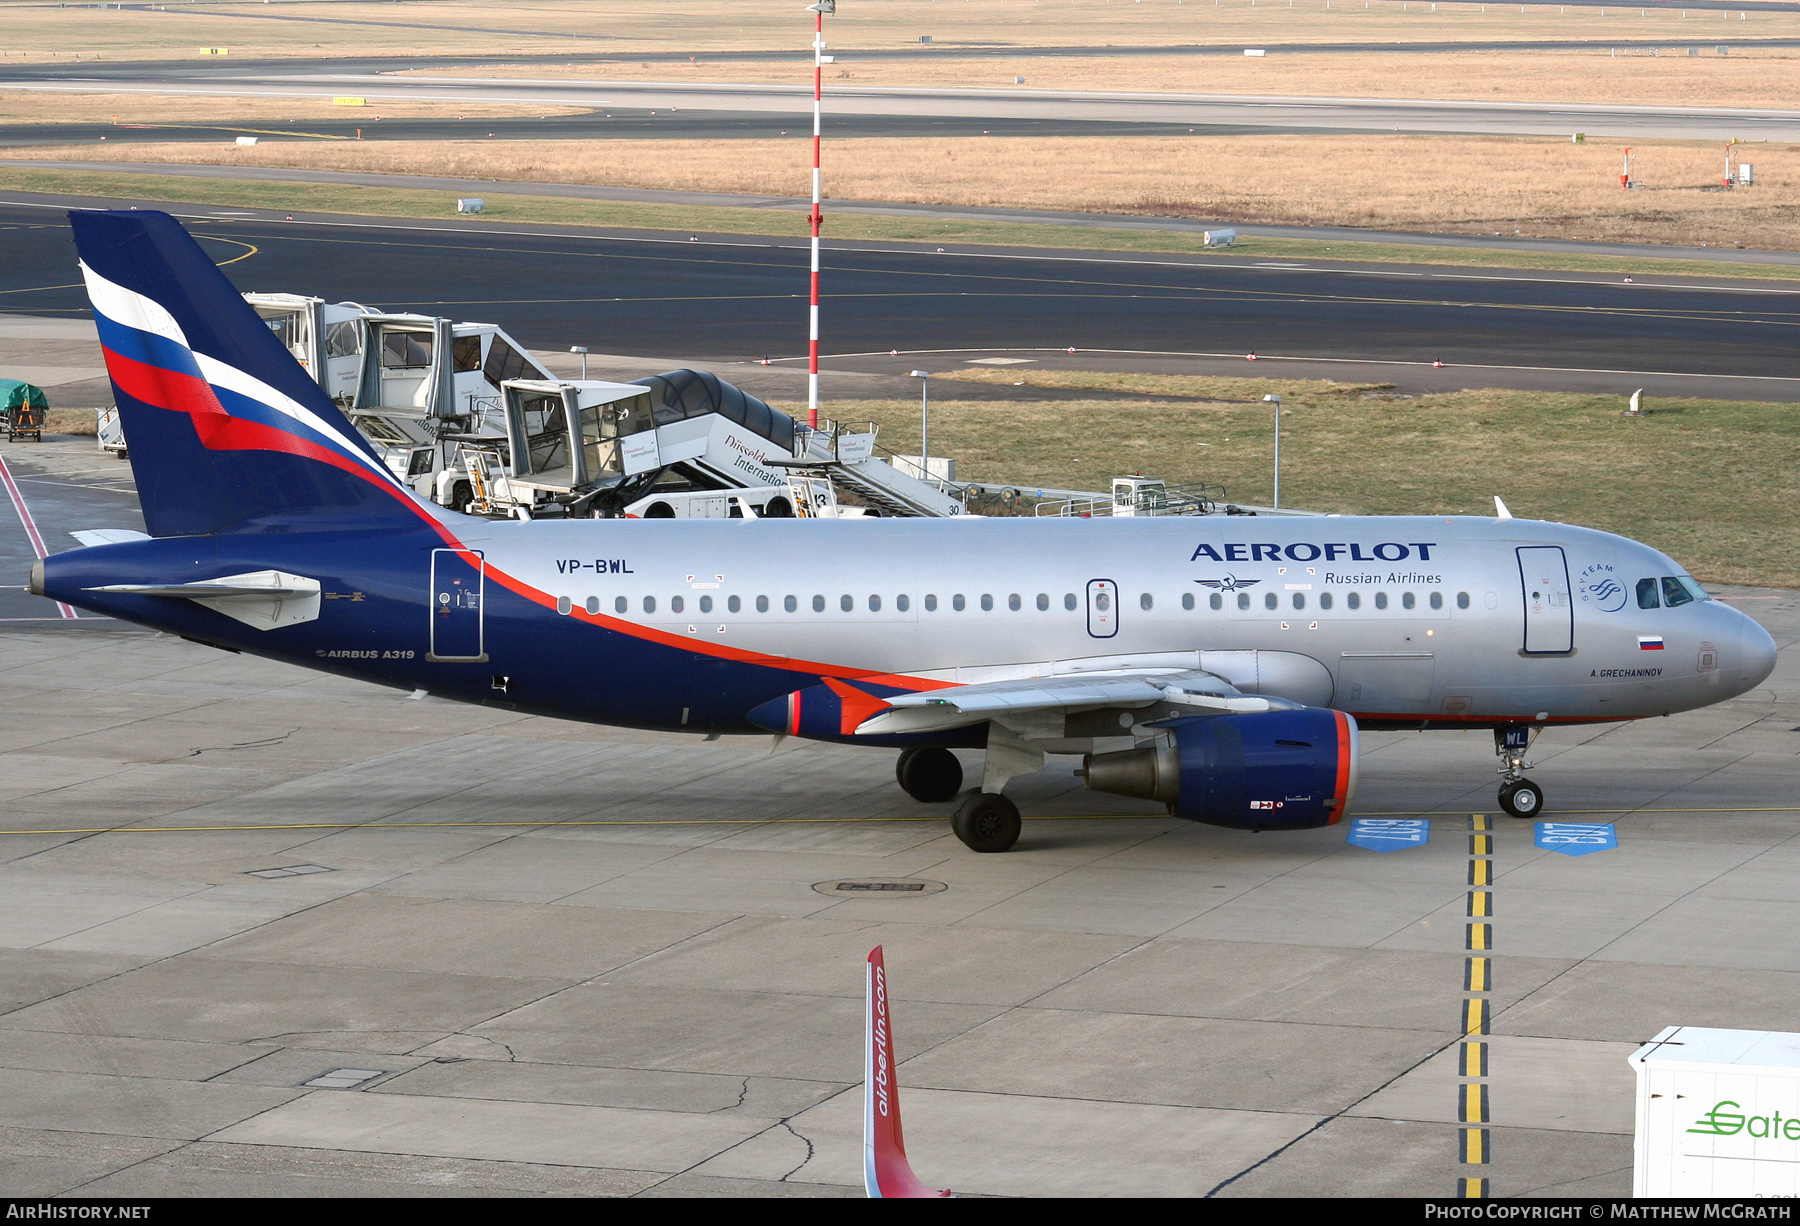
(1601,589)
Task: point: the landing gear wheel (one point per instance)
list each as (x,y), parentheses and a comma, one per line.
(1522,799)
(929,776)
(987,821)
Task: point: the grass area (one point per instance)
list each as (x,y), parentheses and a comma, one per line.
(697,219)
(476,27)
(1759,77)
(1538,187)
(1710,482)
(46,107)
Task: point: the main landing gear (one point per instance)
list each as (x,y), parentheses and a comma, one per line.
(1518,795)
(984,821)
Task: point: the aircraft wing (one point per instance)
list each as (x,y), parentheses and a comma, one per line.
(963,705)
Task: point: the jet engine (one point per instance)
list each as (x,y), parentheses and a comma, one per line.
(1274,770)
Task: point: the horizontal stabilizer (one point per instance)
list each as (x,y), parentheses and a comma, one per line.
(108,536)
(265,599)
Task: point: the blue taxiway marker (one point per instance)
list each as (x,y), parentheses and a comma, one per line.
(1577,838)
(1389,833)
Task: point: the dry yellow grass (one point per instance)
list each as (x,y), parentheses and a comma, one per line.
(1672,78)
(549,26)
(1457,184)
(32,106)
(1362,450)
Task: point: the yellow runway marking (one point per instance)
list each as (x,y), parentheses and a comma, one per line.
(1471,1189)
(1480,872)
(1475,975)
(1472,1103)
(1472,1061)
(1481,902)
(1475,1016)
(1481,844)
(1473,1146)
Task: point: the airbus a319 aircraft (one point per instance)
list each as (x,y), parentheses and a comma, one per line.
(1220,666)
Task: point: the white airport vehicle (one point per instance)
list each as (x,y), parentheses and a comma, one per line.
(1718,1114)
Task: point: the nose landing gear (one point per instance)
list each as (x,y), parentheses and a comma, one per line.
(1518,795)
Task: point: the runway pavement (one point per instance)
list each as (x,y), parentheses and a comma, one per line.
(724,298)
(268,933)
(1271,113)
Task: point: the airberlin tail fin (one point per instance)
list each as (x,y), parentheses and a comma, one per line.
(886,1173)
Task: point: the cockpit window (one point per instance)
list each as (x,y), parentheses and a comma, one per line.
(1676,591)
(1646,594)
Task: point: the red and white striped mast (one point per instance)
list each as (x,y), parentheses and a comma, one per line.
(820,8)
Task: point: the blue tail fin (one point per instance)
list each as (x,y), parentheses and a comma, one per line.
(224,428)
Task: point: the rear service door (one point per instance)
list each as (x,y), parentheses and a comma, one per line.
(1549,614)
(456,606)
(1102,608)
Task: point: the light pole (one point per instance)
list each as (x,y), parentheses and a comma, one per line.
(1276,401)
(924,378)
(820,8)
(583,351)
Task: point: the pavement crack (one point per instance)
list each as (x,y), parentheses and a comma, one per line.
(787,1124)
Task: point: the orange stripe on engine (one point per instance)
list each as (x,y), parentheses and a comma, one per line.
(1341,791)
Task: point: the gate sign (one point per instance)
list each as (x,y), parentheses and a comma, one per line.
(1389,834)
(1577,838)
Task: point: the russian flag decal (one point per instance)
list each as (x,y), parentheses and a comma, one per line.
(1650,642)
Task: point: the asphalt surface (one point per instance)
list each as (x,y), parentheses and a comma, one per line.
(297,79)
(723,298)
(608,124)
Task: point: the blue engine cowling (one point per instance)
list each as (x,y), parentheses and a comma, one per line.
(1274,770)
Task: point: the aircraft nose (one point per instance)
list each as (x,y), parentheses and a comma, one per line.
(1756,653)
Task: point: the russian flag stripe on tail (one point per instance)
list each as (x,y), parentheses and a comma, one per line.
(886,1172)
(222,426)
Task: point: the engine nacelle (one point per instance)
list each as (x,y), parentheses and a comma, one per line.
(1276,770)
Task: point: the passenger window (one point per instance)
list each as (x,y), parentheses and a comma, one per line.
(987,603)
(903,602)
(1069,601)
(931,603)
(1324,600)
(1646,594)
(1013,602)
(1407,601)
(620,604)
(649,604)
(762,604)
(563,605)
(1216,601)
(1243,600)
(1437,600)
(958,603)
(1354,600)
(1270,600)
(1462,600)
(1187,600)
(1674,594)
(1299,600)
(818,604)
(1043,602)
(733,604)
(1381,600)
(846,602)
(1146,601)
(676,604)
(874,604)
(593,604)
(790,604)
(706,604)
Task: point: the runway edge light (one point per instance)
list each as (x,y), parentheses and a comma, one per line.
(886,1172)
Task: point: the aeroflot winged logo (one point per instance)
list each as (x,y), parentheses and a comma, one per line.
(1230,583)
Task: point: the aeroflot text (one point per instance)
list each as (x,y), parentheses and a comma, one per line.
(1258,551)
